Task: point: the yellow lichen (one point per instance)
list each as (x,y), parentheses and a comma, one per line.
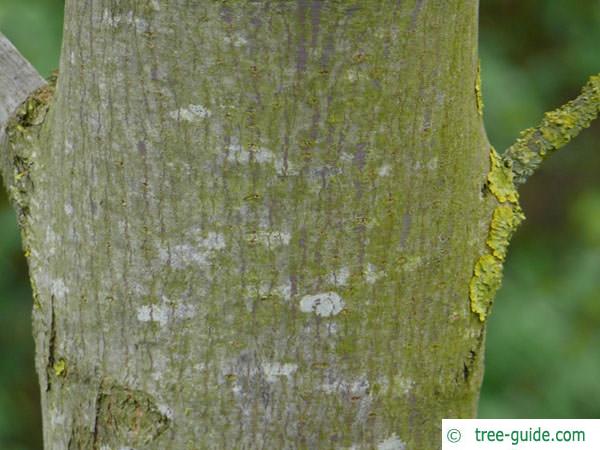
(500,179)
(556,129)
(60,367)
(506,217)
(505,220)
(487,277)
(478,94)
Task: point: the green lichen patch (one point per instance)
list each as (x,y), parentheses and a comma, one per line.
(505,220)
(557,128)
(500,179)
(487,277)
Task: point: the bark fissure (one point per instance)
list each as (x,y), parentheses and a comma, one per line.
(51,359)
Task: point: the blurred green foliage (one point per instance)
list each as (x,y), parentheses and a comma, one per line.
(543,357)
(544,334)
(35,27)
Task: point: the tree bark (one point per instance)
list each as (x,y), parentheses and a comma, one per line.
(254,224)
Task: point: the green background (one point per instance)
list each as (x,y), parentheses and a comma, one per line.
(543,352)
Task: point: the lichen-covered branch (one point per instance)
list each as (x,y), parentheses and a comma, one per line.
(557,128)
(18,79)
(505,219)
(511,170)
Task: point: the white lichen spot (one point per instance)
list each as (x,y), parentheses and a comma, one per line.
(213,241)
(51,239)
(324,304)
(262,155)
(237,40)
(59,289)
(411,263)
(432,164)
(195,252)
(238,154)
(159,366)
(284,169)
(144,313)
(165,410)
(153,313)
(271,239)
(284,291)
(200,367)
(235,153)
(68,147)
(191,113)
(108,19)
(372,274)
(114,21)
(139,289)
(68,209)
(346,157)
(162,313)
(57,419)
(262,291)
(357,387)
(185,255)
(384,170)
(185,311)
(141,25)
(391,443)
(339,277)
(272,371)
(403,384)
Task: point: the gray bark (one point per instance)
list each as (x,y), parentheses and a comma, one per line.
(18,79)
(253,224)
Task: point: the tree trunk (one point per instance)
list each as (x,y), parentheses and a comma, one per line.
(254,224)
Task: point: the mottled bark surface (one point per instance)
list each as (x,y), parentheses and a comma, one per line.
(252,224)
